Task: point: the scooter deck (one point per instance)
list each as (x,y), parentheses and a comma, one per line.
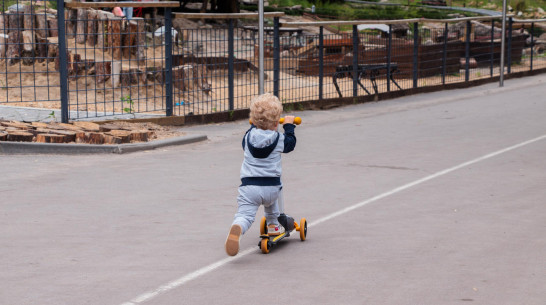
(274,239)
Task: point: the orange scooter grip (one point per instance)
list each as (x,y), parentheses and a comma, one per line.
(297,120)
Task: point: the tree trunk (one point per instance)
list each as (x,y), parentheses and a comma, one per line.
(91,28)
(53,27)
(116,70)
(81,26)
(15,37)
(140,40)
(139,136)
(71,17)
(29,19)
(42,26)
(129,39)
(114,36)
(100,30)
(103,71)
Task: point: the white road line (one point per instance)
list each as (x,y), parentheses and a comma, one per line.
(207,269)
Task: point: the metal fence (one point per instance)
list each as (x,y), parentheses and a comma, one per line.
(108,65)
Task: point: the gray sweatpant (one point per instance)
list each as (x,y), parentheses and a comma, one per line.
(250,198)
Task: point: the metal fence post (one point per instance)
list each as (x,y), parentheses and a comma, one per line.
(532,43)
(467,53)
(389,60)
(509,51)
(321,63)
(355,60)
(168,63)
(276,56)
(63,59)
(492,47)
(415,53)
(231,74)
(444,58)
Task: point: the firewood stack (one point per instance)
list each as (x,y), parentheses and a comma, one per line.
(77,132)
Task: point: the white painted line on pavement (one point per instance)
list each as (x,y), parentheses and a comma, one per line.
(207,269)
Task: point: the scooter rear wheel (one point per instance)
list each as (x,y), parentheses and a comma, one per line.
(303,229)
(265,245)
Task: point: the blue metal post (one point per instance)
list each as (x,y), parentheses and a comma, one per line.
(509,51)
(63,59)
(415,53)
(532,43)
(389,60)
(321,63)
(168,63)
(444,58)
(231,73)
(276,57)
(355,60)
(467,53)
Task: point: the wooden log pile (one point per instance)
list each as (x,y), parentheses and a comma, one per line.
(77,132)
(27,32)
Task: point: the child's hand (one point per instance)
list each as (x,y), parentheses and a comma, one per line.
(289,119)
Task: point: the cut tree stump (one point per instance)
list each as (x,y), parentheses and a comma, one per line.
(87,126)
(124,135)
(94,138)
(3,136)
(69,136)
(110,139)
(139,136)
(50,138)
(20,136)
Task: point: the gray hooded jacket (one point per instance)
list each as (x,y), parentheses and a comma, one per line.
(263,148)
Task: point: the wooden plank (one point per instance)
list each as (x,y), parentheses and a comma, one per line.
(121,4)
(226,16)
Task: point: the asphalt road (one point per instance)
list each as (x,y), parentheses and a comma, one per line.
(428,199)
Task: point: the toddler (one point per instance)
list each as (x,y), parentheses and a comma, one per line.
(261,169)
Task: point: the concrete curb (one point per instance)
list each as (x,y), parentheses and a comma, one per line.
(13,148)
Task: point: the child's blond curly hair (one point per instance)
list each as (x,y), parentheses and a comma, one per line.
(265,111)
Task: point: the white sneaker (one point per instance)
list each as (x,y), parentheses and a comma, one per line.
(274,230)
(232,241)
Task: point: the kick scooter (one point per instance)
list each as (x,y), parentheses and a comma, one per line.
(267,242)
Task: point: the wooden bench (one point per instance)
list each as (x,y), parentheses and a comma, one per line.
(370,71)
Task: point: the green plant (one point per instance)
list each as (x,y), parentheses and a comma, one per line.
(231,113)
(3,85)
(127,99)
(52,116)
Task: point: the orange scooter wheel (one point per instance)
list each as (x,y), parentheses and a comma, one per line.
(263,226)
(265,245)
(303,229)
